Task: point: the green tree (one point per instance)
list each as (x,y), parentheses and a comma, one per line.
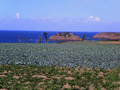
(83,37)
(45,34)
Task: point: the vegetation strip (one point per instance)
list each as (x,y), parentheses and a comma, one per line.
(57,77)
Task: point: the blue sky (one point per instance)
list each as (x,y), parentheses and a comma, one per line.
(60,15)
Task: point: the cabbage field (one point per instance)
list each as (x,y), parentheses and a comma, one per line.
(67,54)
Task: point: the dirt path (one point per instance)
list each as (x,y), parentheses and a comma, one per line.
(107,42)
(95,42)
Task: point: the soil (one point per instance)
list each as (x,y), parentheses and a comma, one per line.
(107,42)
(99,42)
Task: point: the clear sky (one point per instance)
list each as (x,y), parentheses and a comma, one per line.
(60,15)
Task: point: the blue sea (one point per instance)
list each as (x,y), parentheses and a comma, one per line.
(7,36)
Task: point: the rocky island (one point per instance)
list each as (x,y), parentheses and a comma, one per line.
(65,36)
(107,36)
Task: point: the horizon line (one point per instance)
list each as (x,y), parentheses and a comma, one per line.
(58,31)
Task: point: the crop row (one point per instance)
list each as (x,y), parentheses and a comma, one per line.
(105,56)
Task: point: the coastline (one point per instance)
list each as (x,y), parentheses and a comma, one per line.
(69,41)
(92,42)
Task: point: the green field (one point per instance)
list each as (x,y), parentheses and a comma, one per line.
(65,66)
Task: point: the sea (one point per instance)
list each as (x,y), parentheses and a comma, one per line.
(7,36)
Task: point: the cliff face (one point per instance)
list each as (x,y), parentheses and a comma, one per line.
(65,36)
(109,35)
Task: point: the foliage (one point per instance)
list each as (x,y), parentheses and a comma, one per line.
(67,33)
(74,34)
(83,37)
(45,34)
(72,54)
(64,34)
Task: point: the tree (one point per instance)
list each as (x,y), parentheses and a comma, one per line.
(45,34)
(39,40)
(20,38)
(83,37)
(40,37)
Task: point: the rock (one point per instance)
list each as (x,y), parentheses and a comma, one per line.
(107,36)
(65,36)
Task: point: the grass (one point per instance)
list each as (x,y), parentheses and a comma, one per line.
(32,77)
(58,78)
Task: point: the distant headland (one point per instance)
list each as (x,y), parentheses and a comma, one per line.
(107,36)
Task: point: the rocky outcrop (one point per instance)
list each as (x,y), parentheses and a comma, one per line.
(107,36)
(65,36)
